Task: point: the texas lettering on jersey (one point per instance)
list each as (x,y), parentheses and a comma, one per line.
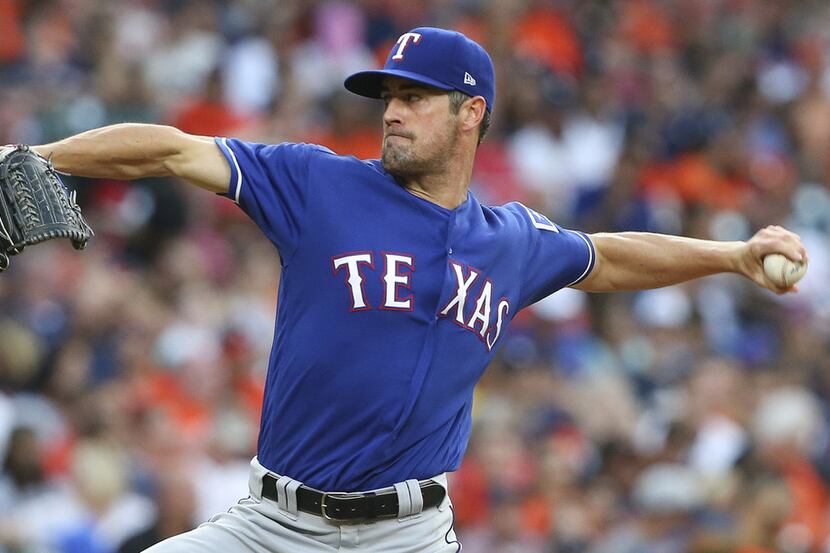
(480,318)
(484,321)
(396,274)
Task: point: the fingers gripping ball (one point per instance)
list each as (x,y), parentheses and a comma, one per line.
(782,271)
(35,205)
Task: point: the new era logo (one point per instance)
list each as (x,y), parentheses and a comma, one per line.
(468,79)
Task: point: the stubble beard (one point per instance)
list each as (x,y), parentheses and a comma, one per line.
(402,160)
(398,161)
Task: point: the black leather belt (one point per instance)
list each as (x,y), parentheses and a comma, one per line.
(352,507)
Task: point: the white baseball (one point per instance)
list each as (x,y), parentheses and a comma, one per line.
(783,272)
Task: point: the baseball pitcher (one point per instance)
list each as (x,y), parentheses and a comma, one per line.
(397,289)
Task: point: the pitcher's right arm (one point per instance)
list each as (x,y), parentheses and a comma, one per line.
(132,151)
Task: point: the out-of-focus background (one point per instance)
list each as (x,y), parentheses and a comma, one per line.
(693,418)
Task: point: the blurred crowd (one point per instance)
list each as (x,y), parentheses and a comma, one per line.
(687,419)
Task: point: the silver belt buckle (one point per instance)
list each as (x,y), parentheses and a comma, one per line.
(323,506)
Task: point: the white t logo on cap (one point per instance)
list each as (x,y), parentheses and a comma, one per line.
(403,42)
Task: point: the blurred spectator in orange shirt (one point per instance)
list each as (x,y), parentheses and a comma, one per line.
(11,29)
(352,128)
(646,26)
(209,114)
(544,34)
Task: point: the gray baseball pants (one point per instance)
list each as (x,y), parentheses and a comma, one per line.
(259,525)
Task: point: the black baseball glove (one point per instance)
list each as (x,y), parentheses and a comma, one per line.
(35,205)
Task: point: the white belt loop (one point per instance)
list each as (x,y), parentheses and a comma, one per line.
(291,495)
(287,496)
(415,496)
(404,501)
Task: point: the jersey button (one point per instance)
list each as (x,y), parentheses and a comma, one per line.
(450,251)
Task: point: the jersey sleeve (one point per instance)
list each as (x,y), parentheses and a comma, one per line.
(556,257)
(270,183)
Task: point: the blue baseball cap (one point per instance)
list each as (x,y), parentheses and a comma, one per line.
(436,57)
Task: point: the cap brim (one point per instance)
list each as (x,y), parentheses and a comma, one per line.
(368,83)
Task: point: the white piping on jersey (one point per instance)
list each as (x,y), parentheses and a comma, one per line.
(590,257)
(238,171)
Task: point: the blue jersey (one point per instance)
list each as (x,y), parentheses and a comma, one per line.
(390,308)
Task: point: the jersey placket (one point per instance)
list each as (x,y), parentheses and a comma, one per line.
(428,349)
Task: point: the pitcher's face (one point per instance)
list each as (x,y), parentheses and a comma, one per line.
(419,130)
